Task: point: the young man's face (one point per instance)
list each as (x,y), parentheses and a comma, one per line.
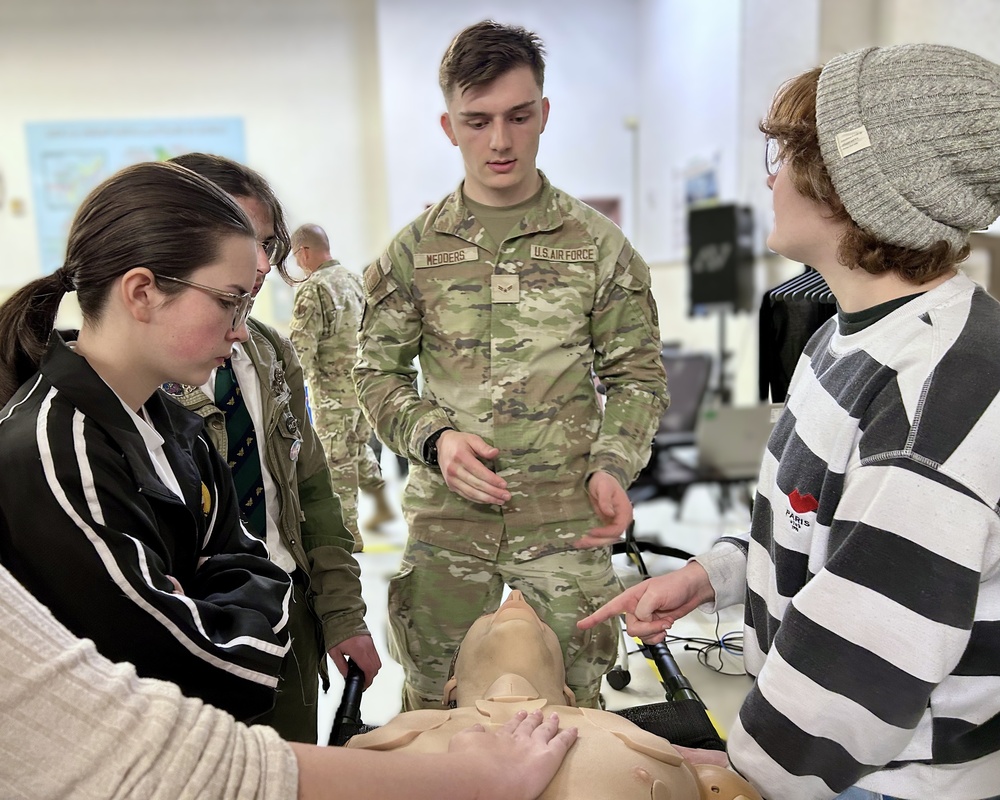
(804,230)
(497,127)
(263,227)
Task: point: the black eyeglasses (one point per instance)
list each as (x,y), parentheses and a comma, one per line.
(275,250)
(242,303)
(773,157)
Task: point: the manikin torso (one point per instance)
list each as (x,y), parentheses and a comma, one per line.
(511,660)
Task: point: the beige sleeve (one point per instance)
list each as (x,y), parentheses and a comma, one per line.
(726,565)
(79,726)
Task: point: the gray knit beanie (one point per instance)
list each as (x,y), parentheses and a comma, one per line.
(911,138)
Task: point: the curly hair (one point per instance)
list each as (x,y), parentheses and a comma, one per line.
(791,121)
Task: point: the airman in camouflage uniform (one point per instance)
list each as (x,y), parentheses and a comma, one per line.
(509,292)
(324,330)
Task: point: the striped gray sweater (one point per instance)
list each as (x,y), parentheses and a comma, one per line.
(871,574)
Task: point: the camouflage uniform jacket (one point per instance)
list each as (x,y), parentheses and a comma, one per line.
(324,330)
(311,524)
(506,345)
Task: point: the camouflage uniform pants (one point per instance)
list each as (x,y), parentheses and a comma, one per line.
(437,595)
(345,434)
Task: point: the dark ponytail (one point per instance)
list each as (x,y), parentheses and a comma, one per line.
(26,321)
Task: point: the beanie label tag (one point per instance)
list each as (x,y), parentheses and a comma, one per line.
(852,141)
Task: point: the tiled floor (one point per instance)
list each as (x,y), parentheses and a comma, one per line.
(699,525)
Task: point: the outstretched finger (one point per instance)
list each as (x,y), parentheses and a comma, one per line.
(557,742)
(562,741)
(612,608)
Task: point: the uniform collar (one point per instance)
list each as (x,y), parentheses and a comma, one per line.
(455,218)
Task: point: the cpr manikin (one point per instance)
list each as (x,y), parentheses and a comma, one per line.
(511,660)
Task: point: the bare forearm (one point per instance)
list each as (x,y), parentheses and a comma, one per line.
(477,766)
(332,772)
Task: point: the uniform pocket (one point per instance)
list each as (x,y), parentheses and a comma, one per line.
(600,642)
(402,645)
(632,278)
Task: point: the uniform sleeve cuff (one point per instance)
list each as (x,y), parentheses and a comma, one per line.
(612,468)
(429,424)
(341,630)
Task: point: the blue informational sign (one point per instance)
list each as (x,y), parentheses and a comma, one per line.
(68,159)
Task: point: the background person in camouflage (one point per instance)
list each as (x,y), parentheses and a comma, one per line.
(508,291)
(324,330)
(303,528)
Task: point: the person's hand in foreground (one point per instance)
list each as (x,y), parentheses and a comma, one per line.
(361,649)
(461,457)
(651,607)
(611,504)
(529,746)
(516,762)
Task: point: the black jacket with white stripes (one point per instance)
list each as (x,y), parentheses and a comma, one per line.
(89,528)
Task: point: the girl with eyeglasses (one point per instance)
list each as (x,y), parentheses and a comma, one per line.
(118,514)
(115,509)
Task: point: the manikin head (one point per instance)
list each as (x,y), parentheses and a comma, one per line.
(509,656)
(512,657)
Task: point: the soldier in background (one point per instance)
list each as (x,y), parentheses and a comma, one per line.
(324,330)
(508,291)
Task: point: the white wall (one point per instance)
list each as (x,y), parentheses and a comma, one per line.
(301,73)
(688,75)
(971,24)
(591,68)
(341,104)
(707,73)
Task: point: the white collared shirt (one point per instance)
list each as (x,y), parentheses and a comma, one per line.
(154,446)
(246,375)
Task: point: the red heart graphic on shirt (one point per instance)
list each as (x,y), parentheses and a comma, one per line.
(802,503)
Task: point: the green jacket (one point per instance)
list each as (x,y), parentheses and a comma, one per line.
(311,523)
(508,336)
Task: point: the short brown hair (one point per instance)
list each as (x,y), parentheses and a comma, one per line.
(791,120)
(483,52)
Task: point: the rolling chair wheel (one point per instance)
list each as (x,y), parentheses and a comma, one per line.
(619,678)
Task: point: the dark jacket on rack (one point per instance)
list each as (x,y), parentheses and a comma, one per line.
(88,526)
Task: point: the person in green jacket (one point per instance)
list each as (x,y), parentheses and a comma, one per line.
(282,475)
